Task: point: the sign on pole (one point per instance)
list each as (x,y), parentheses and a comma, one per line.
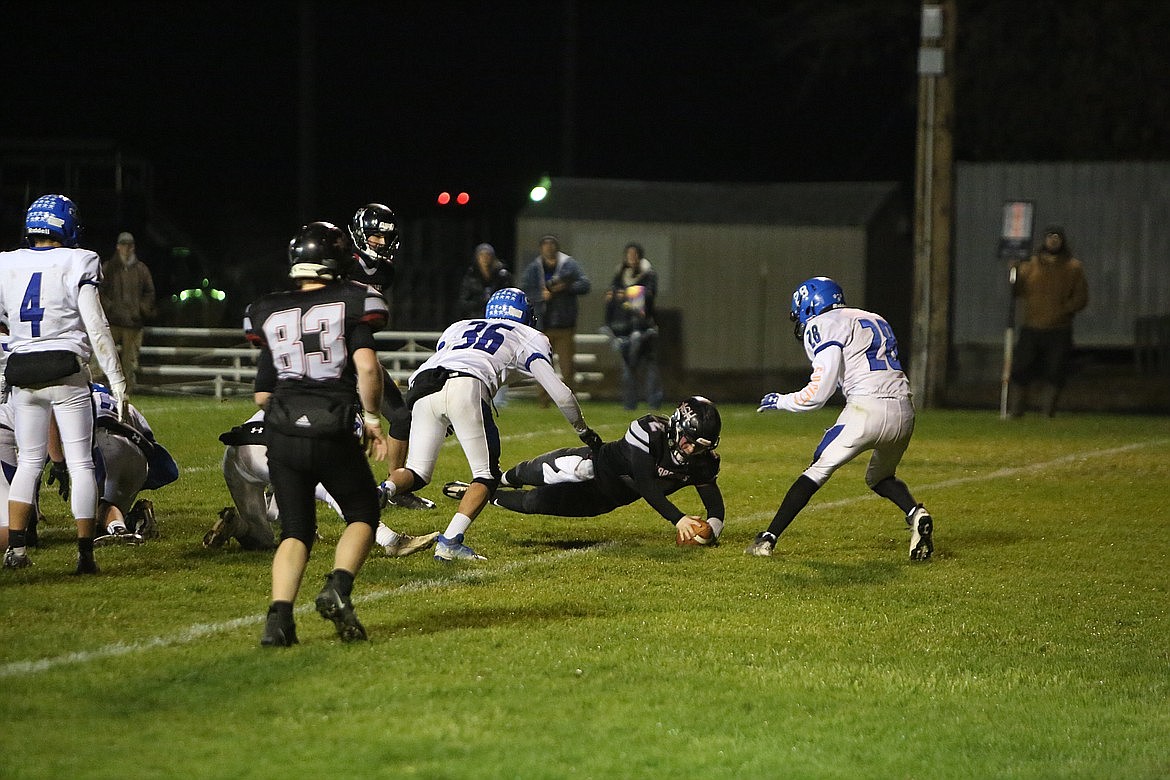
(1015,244)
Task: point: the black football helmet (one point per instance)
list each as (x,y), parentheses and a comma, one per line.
(370,219)
(697,421)
(319,250)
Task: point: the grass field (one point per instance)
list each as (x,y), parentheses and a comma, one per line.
(1034,644)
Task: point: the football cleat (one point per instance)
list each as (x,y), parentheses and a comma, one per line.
(762,546)
(447,550)
(15,560)
(223,529)
(86,565)
(277,632)
(410,501)
(118,536)
(921,533)
(406,544)
(142,520)
(333,607)
(455,490)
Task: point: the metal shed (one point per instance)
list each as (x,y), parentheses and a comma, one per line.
(729,255)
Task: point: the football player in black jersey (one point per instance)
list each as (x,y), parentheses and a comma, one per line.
(317,367)
(656,457)
(376,240)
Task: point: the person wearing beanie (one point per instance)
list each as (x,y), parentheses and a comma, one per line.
(127,295)
(1051,285)
(484,276)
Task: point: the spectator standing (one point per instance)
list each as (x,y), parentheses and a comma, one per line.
(632,326)
(1052,285)
(317,354)
(127,293)
(485,276)
(49,297)
(552,282)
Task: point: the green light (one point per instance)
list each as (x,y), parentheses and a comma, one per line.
(540,191)
(218,295)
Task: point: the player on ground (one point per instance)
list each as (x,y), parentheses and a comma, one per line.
(657,456)
(455,386)
(856,351)
(49,296)
(253,518)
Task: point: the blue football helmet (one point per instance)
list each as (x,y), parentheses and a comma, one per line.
(509,303)
(53,216)
(813,297)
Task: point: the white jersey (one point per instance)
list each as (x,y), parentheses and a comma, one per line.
(39,295)
(107,408)
(489,350)
(852,349)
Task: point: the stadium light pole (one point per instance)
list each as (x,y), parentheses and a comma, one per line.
(933,204)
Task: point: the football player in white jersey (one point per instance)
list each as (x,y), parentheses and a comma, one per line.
(49,293)
(253,517)
(455,387)
(855,350)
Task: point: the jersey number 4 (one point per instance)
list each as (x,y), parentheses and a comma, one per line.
(31,310)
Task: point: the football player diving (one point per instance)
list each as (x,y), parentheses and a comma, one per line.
(655,458)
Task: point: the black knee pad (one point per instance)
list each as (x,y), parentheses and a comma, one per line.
(308,537)
(399,424)
(419,482)
(490,484)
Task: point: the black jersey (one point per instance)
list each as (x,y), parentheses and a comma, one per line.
(640,465)
(379,276)
(306,337)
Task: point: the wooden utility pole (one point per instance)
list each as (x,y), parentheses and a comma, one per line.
(933,204)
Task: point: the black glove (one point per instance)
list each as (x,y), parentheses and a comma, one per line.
(59,473)
(591,439)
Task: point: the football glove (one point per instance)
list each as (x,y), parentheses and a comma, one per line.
(591,439)
(59,475)
(770,402)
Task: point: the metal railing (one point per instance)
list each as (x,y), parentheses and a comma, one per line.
(218,361)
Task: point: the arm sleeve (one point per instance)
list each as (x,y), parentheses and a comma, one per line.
(826,375)
(643,473)
(712,498)
(94,319)
(542,371)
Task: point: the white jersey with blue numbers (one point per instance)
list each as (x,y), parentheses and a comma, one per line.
(489,350)
(39,294)
(852,349)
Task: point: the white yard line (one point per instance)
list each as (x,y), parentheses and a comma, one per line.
(200,630)
(1014,471)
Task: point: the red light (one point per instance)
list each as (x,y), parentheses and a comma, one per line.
(444,198)
(462,198)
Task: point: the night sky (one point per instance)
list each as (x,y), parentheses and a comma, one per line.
(410,98)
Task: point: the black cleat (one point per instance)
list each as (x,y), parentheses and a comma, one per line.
(332,607)
(278,632)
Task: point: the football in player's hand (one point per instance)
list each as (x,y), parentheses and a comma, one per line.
(705,535)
